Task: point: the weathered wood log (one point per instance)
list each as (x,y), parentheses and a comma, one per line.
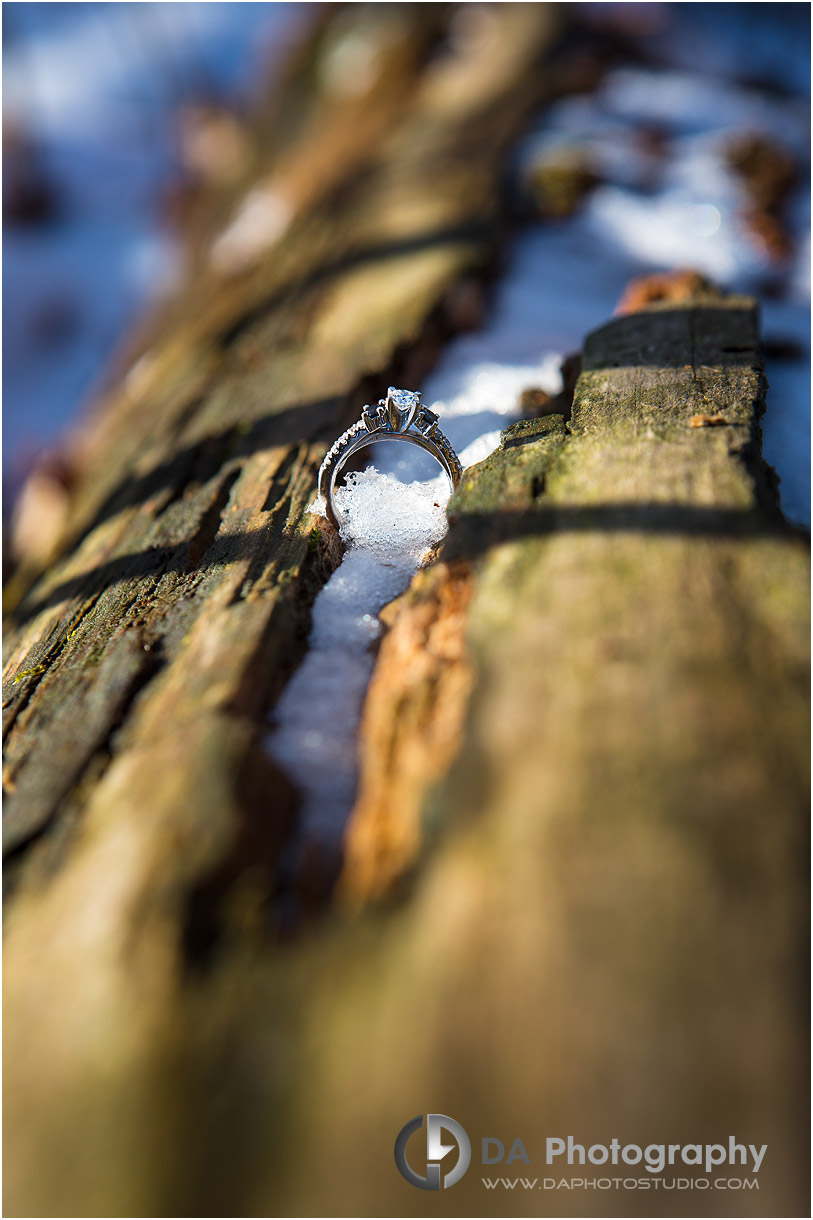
(571,901)
(609,875)
(142,818)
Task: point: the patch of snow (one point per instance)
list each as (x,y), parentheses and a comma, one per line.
(389,527)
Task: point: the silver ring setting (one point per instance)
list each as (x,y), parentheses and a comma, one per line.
(398,417)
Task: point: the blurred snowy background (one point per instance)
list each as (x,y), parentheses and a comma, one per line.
(694,152)
(100,105)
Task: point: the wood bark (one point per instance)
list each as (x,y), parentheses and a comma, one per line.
(610,871)
(571,900)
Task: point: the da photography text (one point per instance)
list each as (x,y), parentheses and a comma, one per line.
(425,1159)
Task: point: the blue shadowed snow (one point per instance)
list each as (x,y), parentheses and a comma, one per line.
(95,88)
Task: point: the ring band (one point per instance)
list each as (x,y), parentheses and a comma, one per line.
(398,417)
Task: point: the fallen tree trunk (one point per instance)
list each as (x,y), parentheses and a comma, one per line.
(613,649)
(142,818)
(571,900)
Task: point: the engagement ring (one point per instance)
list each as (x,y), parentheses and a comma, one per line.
(398,417)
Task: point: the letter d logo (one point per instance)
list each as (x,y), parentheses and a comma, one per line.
(436,1150)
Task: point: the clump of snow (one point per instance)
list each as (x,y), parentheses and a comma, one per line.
(479,448)
(391,518)
(315,737)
